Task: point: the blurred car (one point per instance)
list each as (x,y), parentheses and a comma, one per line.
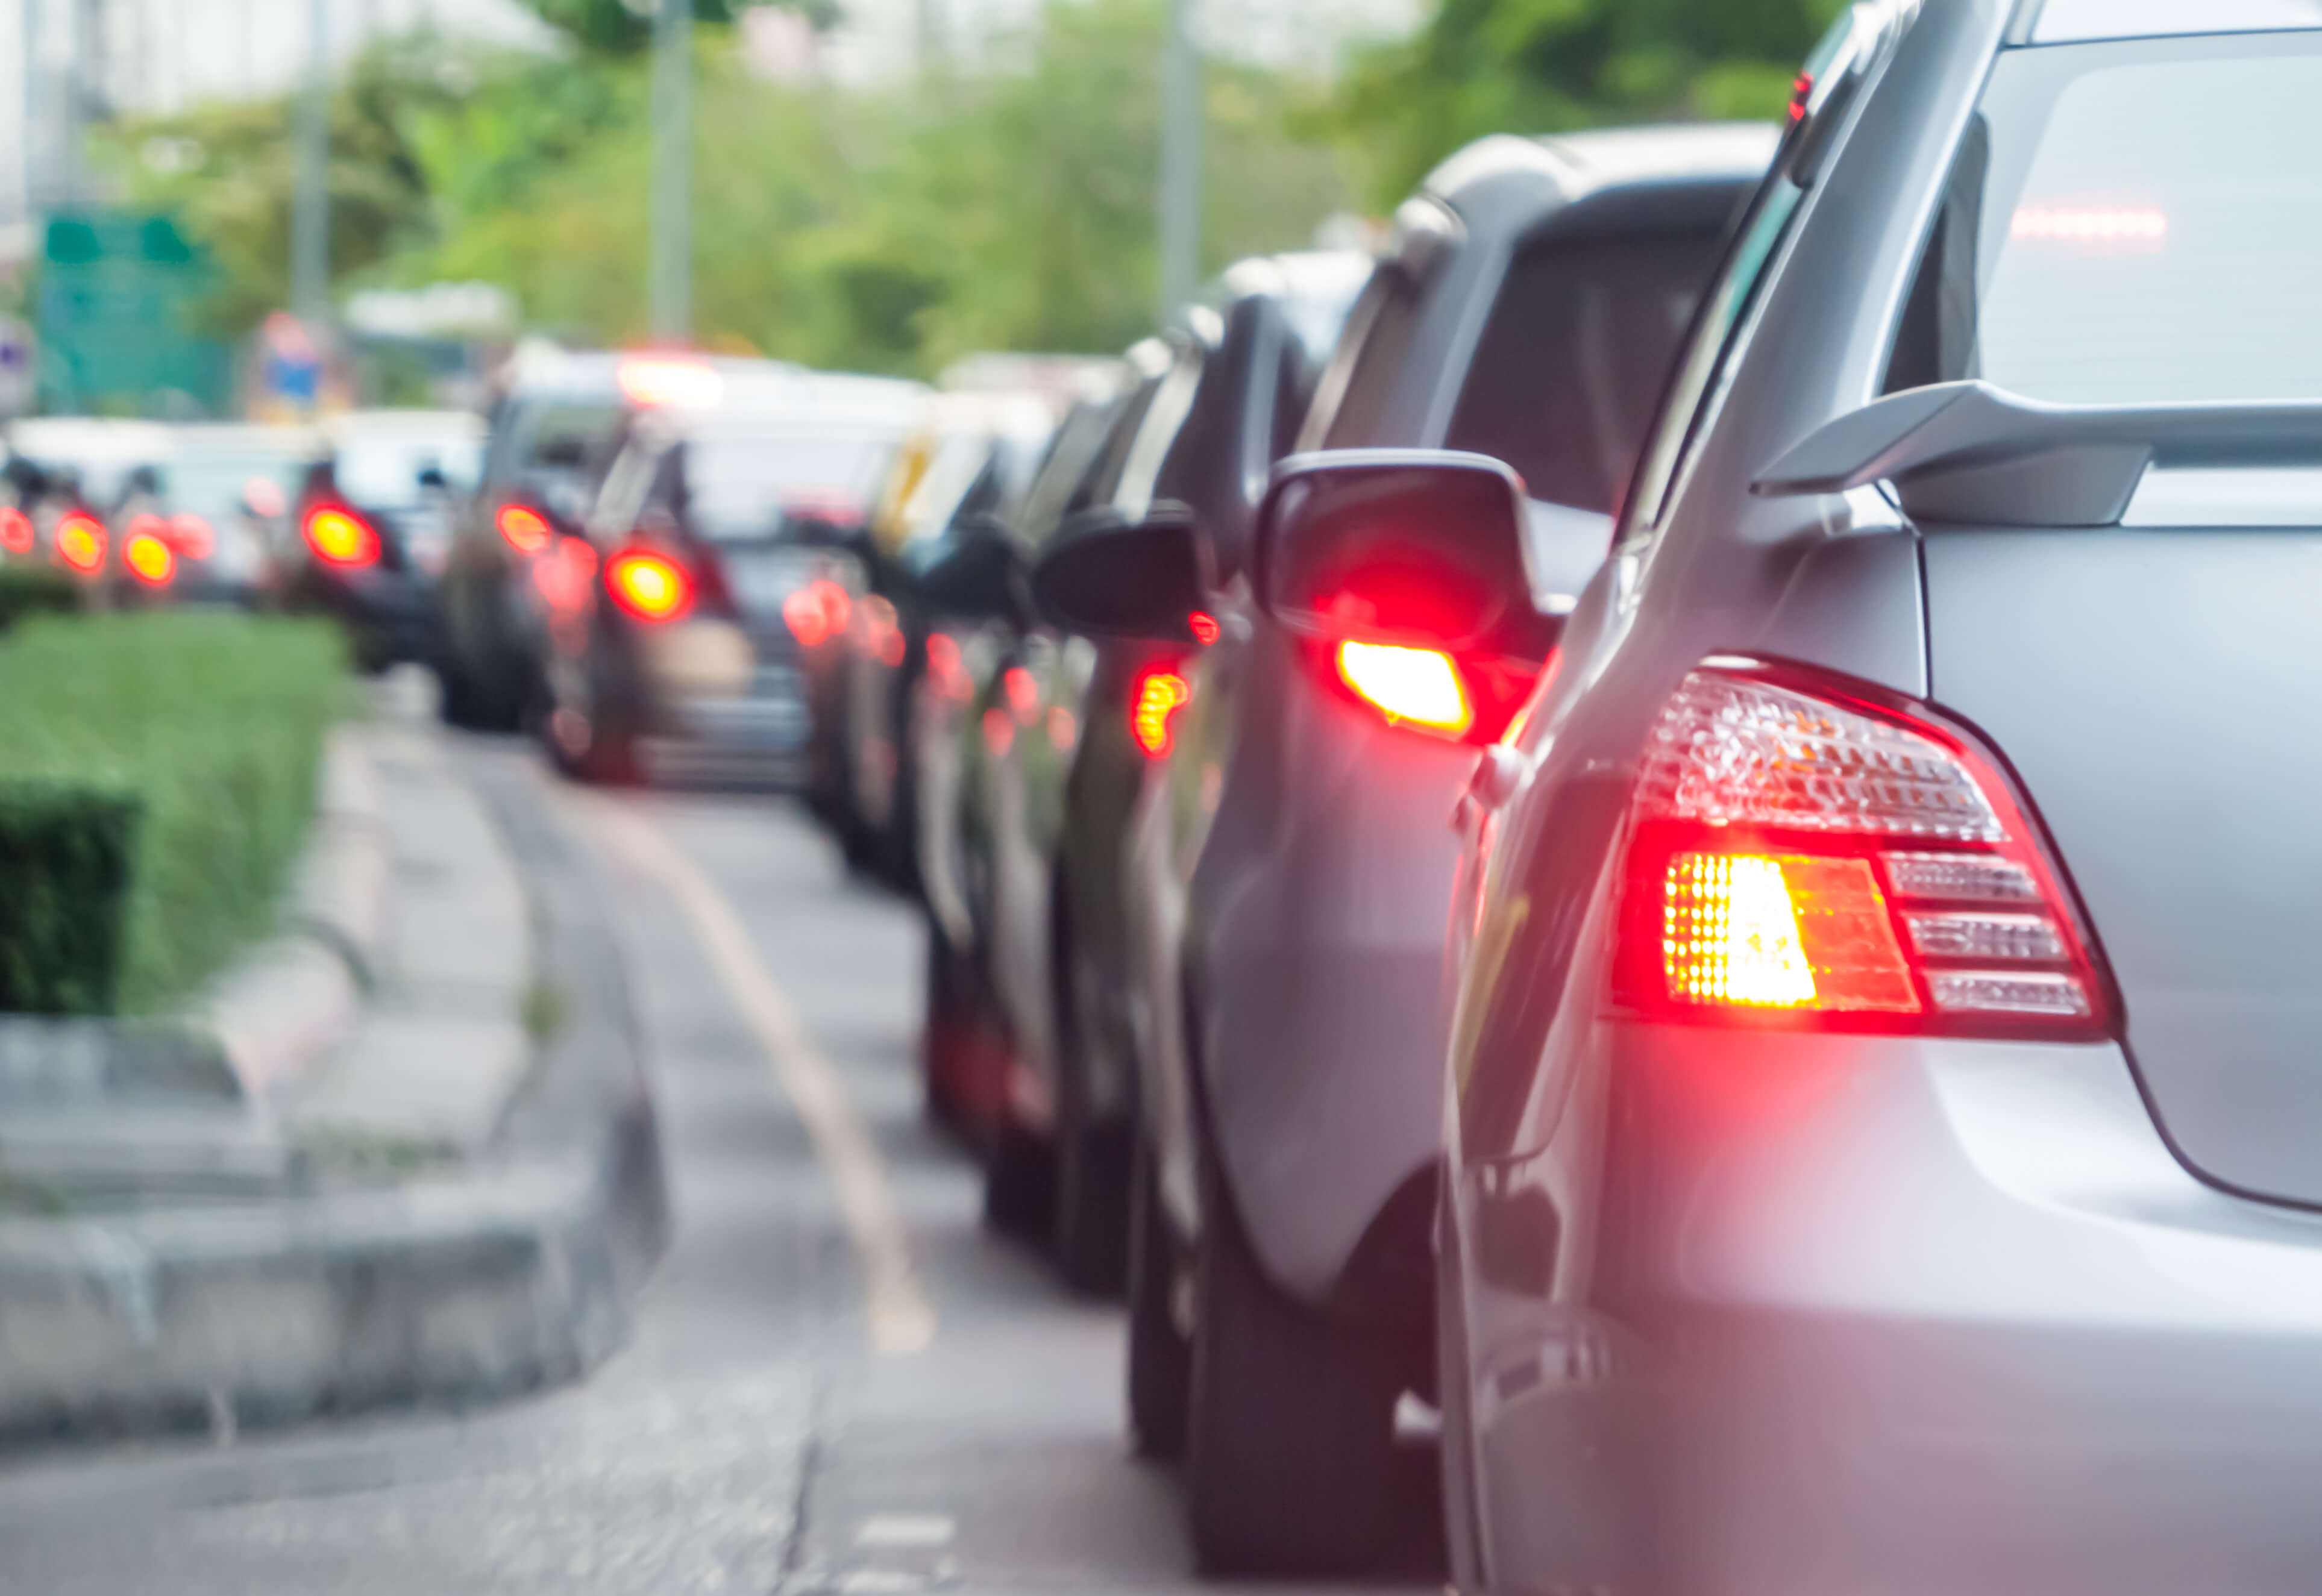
(1052,796)
(966,468)
(224,494)
(671,648)
(372,522)
(550,438)
(1289,866)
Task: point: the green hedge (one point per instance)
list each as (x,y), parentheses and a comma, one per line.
(188,744)
(35,590)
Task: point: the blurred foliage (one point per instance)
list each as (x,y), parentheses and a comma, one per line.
(28,590)
(209,729)
(1009,206)
(1545,65)
(65,852)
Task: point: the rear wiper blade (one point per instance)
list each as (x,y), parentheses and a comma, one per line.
(1968,452)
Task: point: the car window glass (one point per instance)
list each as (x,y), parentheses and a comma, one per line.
(1376,361)
(738,484)
(1578,347)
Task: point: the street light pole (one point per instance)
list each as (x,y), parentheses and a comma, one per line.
(1181,162)
(669,291)
(310,219)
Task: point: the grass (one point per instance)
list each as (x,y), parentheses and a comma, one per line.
(213,724)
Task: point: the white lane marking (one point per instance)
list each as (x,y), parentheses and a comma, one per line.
(896,1531)
(902,1320)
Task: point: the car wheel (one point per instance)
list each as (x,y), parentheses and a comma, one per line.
(1291,1429)
(1160,1359)
(1462,1522)
(958,1040)
(1093,1157)
(1019,1185)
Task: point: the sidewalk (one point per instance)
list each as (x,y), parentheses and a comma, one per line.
(407,1155)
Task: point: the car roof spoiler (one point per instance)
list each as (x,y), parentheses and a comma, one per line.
(1968,452)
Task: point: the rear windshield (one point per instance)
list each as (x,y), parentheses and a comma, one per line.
(1572,363)
(2137,223)
(737,486)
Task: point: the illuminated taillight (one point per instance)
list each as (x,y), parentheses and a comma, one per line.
(80,543)
(1153,712)
(523,529)
(1204,627)
(340,537)
(649,587)
(818,612)
(149,558)
(1797,850)
(1414,687)
(655,381)
(17,535)
(191,536)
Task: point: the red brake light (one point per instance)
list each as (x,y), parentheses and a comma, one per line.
(80,543)
(1801,96)
(191,536)
(1417,687)
(1797,852)
(148,557)
(17,532)
(1205,627)
(523,528)
(818,612)
(673,381)
(339,537)
(1153,712)
(649,587)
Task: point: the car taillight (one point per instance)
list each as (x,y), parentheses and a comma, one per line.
(818,612)
(1153,710)
(1802,853)
(17,535)
(147,555)
(649,587)
(340,537)
(191,536)
(523,529)
(1415,686)
(80,543)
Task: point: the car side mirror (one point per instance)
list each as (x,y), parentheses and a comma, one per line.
(1416,548)
(976,575)
(1107,577)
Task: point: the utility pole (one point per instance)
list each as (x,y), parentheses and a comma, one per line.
(310,220)
(35,93)
(669,291)
(1181,162)
(928,44)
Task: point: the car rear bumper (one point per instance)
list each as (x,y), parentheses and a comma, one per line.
(1914,1316)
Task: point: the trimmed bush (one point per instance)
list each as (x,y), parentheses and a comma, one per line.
(36,591)
(191,739)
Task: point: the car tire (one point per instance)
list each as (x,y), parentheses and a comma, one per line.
(1291,1428)
(1093,1157)
(1463,1537)
(1019,1186)
(1160,1358)
(958,1040)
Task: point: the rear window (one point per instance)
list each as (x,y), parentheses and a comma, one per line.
(738,486)
(2131,224)
(1574,357)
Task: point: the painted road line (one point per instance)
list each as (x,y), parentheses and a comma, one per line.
(902,1320)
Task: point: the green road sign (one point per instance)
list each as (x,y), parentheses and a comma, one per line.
(118,291)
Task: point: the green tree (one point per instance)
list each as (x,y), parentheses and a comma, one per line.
(1545,65)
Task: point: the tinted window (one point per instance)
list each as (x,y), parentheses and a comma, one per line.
(1386,323)
(738,485)
(2149,227)
(1578,350)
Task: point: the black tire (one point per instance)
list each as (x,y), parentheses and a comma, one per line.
(1019,1186)
(1291,1429)
(958,1037)
(1094,1158)
(1463,1538)
(1160,1359)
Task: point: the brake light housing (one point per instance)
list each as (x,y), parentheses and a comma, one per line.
(648,586)
(1808,853)
(818,612)
(148,557)
(1153,710)
(191,536)
(341,538)
(80,540)
(17,535)
(523,528)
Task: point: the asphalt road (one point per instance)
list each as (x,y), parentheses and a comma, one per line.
(774,1426)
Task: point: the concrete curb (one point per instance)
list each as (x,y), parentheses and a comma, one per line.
(514,1273)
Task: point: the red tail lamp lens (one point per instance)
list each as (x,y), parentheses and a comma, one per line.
(16,534)
(191,536)
(523,529)
(149,559)
(1205,627)
(1858,865)
(649,587)
(1152,716)
(340,537)
(80,543)
(1415,686)
(818,612)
